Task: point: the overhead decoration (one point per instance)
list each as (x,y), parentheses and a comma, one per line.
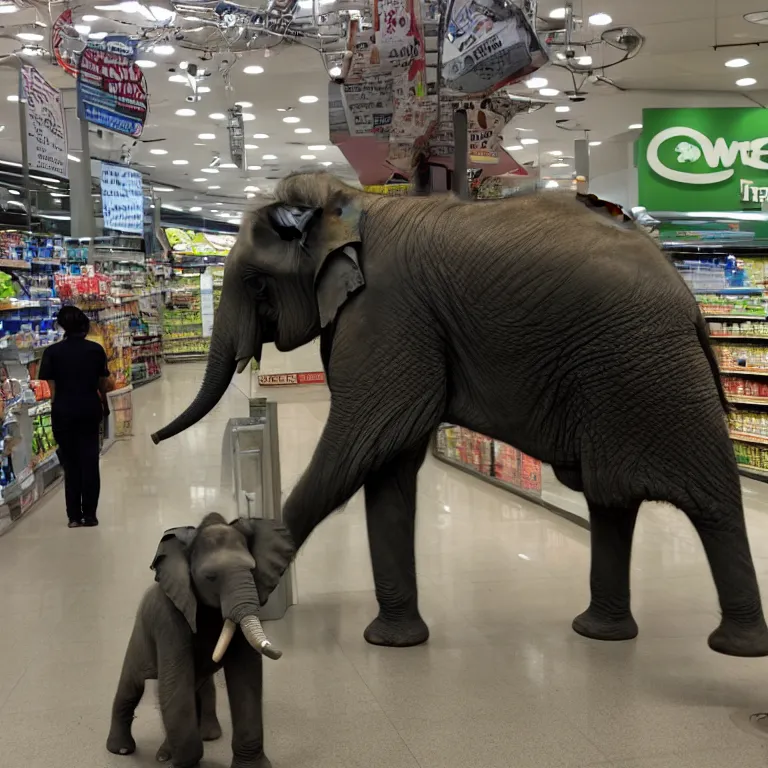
(111,88)
(66,43)
(122,198)
(236,132)
(46,124)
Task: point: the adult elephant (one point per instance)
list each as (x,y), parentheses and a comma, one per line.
(533,320)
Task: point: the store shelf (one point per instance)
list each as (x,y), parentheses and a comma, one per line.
(139,382)
(745,400)
(734,318)
(745,437)
(744,371)
(184,357)
(14,264)
(729,337)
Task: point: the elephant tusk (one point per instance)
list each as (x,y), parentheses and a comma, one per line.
(225,638)
(255,635)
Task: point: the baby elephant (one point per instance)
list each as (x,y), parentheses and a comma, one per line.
(210,580)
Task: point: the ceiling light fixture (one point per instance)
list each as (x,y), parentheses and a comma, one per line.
(251,146)
(158,151)
(302,130)
(736,63)
(335,71)
(549,92)
(209,170)
(584,61)
(308,99)
(291,119)
(757,17)
(559,164)
(635,126)
(557,13)
(97,35)
(244,104)
(514,147)
(214,186)
(251,188)
(181,162)
(269,157)
(163,189)
(745,81)
(199,180)
(600,19)
(12,97)
(562,109)
(82,29)
(73,158)
(146,63)
(254,167)
(529,141)
(309,157)
(163,50)
(248,116)
(551,184)
(317,147)
(253,69)
(8,7)
(556,152)
(260,136)
(326,163)
(206,136)
(195,209)
(31,37)
(203,89)
(170,207)
(250,195)
(595,143)
(227,165)
(537,82)
(178,79)
(91,17)
(217,116)
(185,112)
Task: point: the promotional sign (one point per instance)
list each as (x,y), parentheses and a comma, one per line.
(122,199)
(65,43)
(290,379)
(46,124)
(703,159)
(111,89)
(206,302)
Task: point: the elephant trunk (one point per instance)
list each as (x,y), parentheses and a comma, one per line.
(240,605)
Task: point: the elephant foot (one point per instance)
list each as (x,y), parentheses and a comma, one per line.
(592,625)
(397,634)
(163,754)
(737,640)
(210,730)
(262,761)
(120,741)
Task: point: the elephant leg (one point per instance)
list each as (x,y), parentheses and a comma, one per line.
(130,689)
(210,728)
(390,506)
(178,706)
(243,670)
(609,616)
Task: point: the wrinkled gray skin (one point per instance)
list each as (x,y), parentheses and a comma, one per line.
(204,575)
(532,320)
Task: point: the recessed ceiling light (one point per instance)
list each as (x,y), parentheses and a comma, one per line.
(736,63)
(745,81)
(335,71)
(326,163)
(308,99)
(269,157)
(163,50)
(595,143)
(302,130)
(562,109)
(529,141)
(309,157)
(557,13)
(584,61)
(8,7)
(199,180)
(248,116)
(253,69)
(551,184)
(317,147)
(214,212)
(200,144)
(559,164)
(163,189)
(635,126)
(514,147)
(217,116)
(203,89)
(244,104)
(254,167)
(97,35)
(146,63)
(209,170)
(206,136)
(12,97)
(260,136)
(251,146)
(178,79)
(291,119)
(227,165)
(251,188)
(185,112)
(195,209)
(757,17)
(549,91)
(31,37)
(600,19)
(250,195)
(214,186)
(82,29)
(91,17)
(181,162)
(556,152)
(284,109)
(537,82)
(158,151)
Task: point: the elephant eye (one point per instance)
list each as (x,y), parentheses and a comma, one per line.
(211,576)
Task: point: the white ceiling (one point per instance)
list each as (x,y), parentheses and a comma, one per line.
(677,67)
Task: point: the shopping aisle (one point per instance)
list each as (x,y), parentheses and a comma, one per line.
(503,682)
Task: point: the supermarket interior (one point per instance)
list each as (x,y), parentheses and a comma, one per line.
(135,139)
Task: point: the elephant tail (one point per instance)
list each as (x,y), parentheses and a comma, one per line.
(703,333)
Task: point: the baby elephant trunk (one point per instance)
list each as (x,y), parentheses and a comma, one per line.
(240,605)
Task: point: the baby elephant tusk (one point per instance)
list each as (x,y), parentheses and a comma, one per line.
(254,633)
(225,638)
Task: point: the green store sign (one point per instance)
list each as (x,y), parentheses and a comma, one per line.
(703,159)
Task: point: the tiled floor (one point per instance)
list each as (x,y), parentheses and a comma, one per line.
(503,682)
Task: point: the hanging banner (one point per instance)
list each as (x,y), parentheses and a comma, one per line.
(488,44)
(122,199)
(111,88)
(236,133)
(206,302)
(46,124)
(66,44)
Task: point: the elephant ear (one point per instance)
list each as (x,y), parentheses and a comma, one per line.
(272,548)
(337,252)
(171,567)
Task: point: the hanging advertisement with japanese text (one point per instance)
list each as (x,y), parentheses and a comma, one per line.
(45,123)
(122,198)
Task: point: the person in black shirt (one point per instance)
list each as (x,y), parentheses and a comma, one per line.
(76,370)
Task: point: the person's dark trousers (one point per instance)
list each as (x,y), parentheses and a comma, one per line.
(79,456)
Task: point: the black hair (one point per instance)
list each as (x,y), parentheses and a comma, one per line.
(74,321)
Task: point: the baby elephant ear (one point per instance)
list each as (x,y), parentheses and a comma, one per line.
(171,567)
(272,548)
